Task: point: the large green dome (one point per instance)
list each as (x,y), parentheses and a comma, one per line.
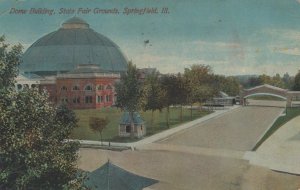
(71,45)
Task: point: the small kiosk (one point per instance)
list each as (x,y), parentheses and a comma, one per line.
(125,125)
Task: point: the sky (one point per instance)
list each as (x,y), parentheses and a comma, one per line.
(234,37)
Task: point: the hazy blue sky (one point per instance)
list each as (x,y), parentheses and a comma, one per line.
(233,36)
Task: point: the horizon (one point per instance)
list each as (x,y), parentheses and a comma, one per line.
(233,37)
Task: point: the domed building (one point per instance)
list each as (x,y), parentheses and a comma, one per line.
(75,64)
(75,43)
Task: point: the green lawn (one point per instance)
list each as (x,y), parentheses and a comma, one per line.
(110,133)
(290,114)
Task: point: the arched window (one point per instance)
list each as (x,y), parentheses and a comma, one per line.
(64,88)
(76,87)
(100,87)
(19,86)
(108,87)
(88,88)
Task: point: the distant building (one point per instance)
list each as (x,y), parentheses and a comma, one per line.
(75,64)
(221,100)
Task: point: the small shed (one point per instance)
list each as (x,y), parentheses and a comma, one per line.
(222,99)
(125,125)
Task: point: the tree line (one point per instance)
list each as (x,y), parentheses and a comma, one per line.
(286,81)
(156,91)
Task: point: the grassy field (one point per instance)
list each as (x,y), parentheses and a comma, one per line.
(110,133)
(290,114)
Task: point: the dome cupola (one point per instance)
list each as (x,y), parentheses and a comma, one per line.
(74,23)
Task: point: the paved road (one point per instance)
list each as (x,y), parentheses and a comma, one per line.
(239,129)
(185,171)
(208,156)
(267,103)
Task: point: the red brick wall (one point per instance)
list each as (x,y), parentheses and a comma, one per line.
(70,94)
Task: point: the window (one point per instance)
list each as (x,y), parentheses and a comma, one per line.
(115,97)
(108,98)
(100,87)
(99,99)
(19,86)
(64,88)
(88,88)
(108,87)
(88,99)
(64,100)
(76,100)
(75,87)
(33,85)
(128,128)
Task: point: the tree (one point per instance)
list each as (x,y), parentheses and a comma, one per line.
(169,84)
(129,93)
(297,82)
(190,96)
(154,94)
(98,124)
(277,81)
(9,62)
(266,79)
(199,79)
(33,154)
(287,80)
(181,97)
(254,81)
(229,85)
